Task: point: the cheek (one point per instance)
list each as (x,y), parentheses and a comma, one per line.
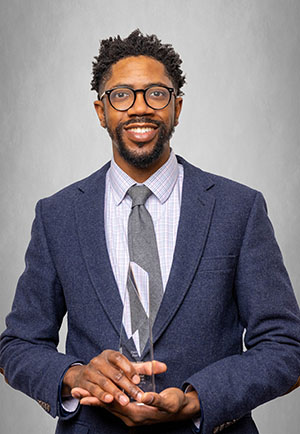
(171,118)
(170,121)
(113,119)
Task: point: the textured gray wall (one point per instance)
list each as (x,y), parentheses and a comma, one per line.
(240,119)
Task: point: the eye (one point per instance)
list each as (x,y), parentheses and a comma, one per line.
(158,93)
(120,94)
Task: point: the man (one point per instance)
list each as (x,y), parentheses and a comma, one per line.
(221,274)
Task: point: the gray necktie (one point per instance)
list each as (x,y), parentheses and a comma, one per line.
(143,251)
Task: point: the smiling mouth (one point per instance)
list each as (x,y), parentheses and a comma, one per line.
(141,129)
(141,133)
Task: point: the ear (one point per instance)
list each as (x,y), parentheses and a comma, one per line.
(178,107)
(99,107)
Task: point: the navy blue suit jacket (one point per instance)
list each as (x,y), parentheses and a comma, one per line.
(227,276)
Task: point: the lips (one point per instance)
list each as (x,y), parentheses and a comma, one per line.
(141,132)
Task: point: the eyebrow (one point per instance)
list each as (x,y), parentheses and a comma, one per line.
(157,83)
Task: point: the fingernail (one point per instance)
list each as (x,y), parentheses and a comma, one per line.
(108,398)
(136,379)
(76,395)
(149,399)
(139,396)
(123,400)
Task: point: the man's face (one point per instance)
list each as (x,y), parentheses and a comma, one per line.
(140,135)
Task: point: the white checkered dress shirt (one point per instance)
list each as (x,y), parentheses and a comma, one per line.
(164,208)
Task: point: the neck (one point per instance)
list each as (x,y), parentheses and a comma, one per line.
(140,175)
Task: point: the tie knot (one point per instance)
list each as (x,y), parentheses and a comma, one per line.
(139,194)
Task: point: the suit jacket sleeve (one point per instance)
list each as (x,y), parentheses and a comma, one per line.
(231,387)
(28,355)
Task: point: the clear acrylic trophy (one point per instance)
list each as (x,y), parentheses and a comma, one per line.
(136,329)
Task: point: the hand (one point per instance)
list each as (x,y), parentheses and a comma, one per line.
(170,405)
(105,379)
(173,404)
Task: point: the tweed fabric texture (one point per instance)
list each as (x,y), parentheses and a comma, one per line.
(227,276)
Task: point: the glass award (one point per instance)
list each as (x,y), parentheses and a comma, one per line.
(136,329)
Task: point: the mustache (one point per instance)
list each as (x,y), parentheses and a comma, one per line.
(141,119)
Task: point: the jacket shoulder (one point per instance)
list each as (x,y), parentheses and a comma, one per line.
(228,187)
(70,193)
(220,186)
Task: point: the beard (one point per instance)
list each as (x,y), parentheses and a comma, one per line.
(142,160)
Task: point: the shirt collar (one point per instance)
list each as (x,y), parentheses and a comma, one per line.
(161,183)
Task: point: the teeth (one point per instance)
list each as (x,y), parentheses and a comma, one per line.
(141,130)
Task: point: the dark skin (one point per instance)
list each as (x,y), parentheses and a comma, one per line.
(101,382)
(138,73)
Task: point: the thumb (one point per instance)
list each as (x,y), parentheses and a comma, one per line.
(149,368)
(79,392)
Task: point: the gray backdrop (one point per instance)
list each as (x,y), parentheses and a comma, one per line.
(240,119)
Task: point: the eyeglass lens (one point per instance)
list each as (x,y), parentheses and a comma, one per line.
(156,97)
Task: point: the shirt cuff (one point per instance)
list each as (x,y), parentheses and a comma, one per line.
(67,404)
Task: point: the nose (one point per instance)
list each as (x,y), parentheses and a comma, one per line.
(140,107)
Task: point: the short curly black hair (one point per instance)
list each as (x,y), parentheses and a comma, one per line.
(136,44)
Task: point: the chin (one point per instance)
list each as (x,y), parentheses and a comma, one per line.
(145,154)
(141,158)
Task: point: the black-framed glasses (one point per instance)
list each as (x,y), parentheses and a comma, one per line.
(122,98)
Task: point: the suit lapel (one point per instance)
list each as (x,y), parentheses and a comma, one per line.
(196,212)
(89,211)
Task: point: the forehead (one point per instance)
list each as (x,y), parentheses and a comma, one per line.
(138,71)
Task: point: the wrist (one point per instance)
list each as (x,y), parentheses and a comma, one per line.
(68,382)
(192,407)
